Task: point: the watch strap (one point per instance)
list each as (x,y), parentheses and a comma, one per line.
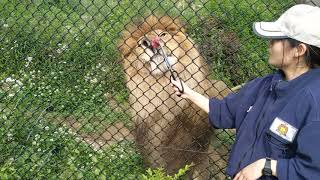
(267,168)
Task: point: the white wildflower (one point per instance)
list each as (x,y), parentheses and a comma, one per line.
(19,83)
(16,86)
(64,47)
(98,65)
(5,25)
(29,58)
(9,79)
(94,81)
(37,136)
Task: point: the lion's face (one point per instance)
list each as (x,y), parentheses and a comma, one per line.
(152,56)
(145,46)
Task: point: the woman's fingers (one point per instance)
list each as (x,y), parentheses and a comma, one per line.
(173,83)
(237,177)
(176,86)
(178,83)
(180,88)
(177,92)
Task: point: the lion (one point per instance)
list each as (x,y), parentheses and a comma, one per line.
(169,131)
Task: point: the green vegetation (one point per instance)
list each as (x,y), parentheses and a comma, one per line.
(159,174)
(31,147)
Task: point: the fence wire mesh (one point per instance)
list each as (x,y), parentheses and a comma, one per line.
(85,91)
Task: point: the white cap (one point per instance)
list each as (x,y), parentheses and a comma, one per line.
(301,22)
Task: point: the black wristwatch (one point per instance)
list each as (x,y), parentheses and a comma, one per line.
(267,168)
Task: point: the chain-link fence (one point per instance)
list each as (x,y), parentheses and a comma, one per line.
(85,90)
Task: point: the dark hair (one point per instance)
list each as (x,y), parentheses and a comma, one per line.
(312,55)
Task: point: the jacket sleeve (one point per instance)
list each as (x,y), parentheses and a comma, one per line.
(306,163)
(224,113)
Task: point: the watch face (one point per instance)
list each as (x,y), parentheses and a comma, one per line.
(267,171)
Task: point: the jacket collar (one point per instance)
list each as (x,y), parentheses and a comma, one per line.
(282,87)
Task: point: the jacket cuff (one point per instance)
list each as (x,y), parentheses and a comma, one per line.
(214,115)
(282,169)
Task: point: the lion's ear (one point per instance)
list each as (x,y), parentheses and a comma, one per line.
(172,24)
(185,41)
(128,39)
(126,44)
(175,29)
(123,48)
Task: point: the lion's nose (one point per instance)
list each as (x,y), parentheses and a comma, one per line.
(155,42)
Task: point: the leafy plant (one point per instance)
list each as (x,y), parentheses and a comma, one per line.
(159,174)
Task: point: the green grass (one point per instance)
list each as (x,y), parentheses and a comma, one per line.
(31,147)
(58,59)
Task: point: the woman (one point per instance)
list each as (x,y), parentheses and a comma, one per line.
(277,117)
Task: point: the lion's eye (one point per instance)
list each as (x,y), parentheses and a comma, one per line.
(144,43)
(163,34)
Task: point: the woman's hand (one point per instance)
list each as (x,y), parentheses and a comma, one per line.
(177,86)
(252,171)
(196,98)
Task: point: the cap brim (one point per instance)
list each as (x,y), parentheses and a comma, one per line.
(269,30)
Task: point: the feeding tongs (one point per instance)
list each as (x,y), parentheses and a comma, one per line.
(174,74)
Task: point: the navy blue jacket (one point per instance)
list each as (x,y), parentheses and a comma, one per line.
(255,112)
